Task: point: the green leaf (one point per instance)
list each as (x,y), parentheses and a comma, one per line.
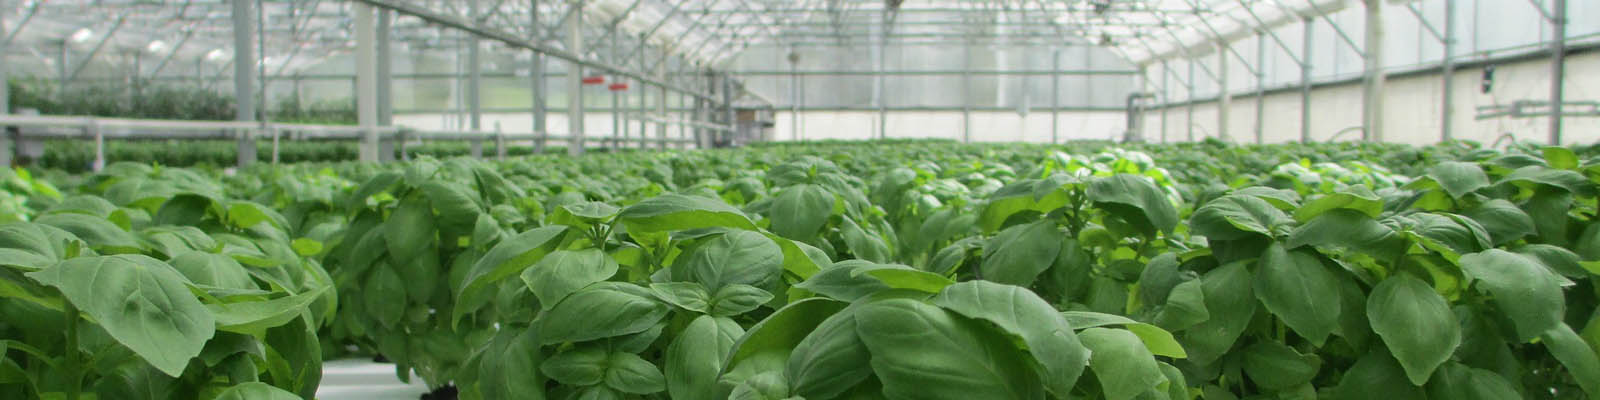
(799,211)
(510,367)
(141,302)
(922,351)
(831,359)
(686,295)
(1157,340)
(101,234)
(801,259)
(1376,376)
(1276,367)
(505,260)
(1022,314)
(256,391)
(1458,381)
(211,269)
(1581,360)
(409,230)
(1349,230)
(31,246)
(1560,157)
(737,299)
(1137,200)
(384,295)
(767,345)
(1356,197)
(1229,300)
(255,317)
(1185,306)
(244,215)
(1525,291)
(765,386)
(628,373)
(1458,178)
(306,247)
(1019,197)
(695,357)
(1018,254)
(1415,323)
(1298,289)
(580,366)
(583,214)
(1503,220)
(1236,217)
(1121,362)
(896,276)
(862,245)
(739,257)
(565,271)
(456,204)
(602,310)
(676,212)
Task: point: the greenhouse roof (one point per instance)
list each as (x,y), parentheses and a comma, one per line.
(705,32)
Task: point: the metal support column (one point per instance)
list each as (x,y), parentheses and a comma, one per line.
(1558,67)
(1261,87)
(1055,96)
(1447,118)
(575,83)
(63,69)
(880,62)
(1188,91)
(1166,99)
(385,82)
(1225,98)
(730,116)
(366,80)
(1372,87)
(5,94)
(661,113)
(1305,82)
(966,93)
(244,75)
(475,81)
(616,99)
(536,75)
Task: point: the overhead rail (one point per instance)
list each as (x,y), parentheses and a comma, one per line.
(31,130)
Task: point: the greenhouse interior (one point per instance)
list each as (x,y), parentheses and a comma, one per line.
(799,199)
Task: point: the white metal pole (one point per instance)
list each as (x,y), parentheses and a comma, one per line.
(575,82)
(1372,88)
(1558,67)
(366,80)
(244,75)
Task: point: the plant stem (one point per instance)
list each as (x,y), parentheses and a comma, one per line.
(73,369)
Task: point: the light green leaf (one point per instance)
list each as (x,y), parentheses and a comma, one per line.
(1229,300)
(1276,367)
(1121,362)
(676,212)
(255,317)
(695,357)
(141,302)
(602,310)
(565,271)
(739,257)
(1298,289)
(1021,313)
(1458,178)
(799,211)
(580,366)
(1236,217)
(831,359)
(737,299)
(1137,200)
(1157,340)
(1415,323)
(1581,360)
(1018,254)
(1525,291)
(628,373)
(922,351)
(505,260)
(256,391)
(686,295)
(409,230)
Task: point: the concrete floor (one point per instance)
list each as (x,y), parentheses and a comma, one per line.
(359,379)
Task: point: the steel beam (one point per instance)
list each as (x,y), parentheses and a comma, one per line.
(537,77)
(366,80)
(1055,97)
(966,93)
(1225,101)
(244,71)
(1166,99)
(27,16)
(575,83)
(474,66)
(1447,119)
(1261,88)
(1372,87)
(385,71)
(513,40)
(95,51)
(1305,81)
(1188,90)
(1558,67)
(187,34)
(5,94)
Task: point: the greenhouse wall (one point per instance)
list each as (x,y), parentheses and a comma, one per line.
(1412,108)
(987,126)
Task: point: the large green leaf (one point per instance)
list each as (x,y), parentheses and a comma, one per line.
(695,357)
(409,231)
(505,260)
(738,257)
(831,359)
(629,373)
(1458,381)
(1503,220)
(767,345)
(602,310)
(799,211)
(1157,340)
(1275,366)
(1376,376)
(676,212)
(256,391)
(924,352)
(565,271)
(1581,360)
(255,317)
(1123,365)
(1298,289)
(1022,314)
(1344,230)
(1527,292)
(1415,323)
(141,302)
(1458,178)
(211,269)
(1019,253)
(1136,199)
(100,233)
(1357,197)
(510,366)
(1234,217)
(1229,300)
(31,246)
